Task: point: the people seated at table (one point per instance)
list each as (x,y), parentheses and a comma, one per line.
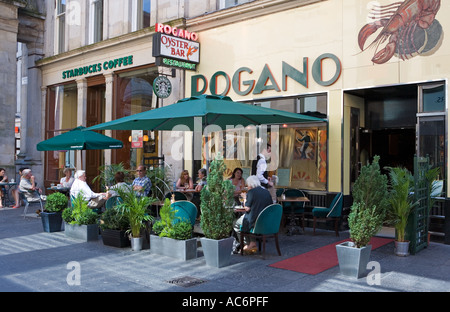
(185,182)
(201,179)
(67,180)
(239,184)
(119,177)
(142,184)
(256,199)
(4,179)
(28,186)
(96,200)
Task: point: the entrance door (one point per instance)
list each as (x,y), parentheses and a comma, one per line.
(95,109)
(354,145)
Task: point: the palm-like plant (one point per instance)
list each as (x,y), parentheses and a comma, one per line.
(107,173)
(401,199)
(135,208)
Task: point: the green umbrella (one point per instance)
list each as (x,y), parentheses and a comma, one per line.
(76,139)
(210,109)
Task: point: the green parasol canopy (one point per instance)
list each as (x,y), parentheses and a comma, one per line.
(76,139)
(211,110)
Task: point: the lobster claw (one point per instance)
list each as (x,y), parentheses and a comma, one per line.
(385,54)
(368,30)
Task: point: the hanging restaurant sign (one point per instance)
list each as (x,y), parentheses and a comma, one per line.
(175,47)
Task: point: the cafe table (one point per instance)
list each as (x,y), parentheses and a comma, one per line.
(292,227)
(9,186)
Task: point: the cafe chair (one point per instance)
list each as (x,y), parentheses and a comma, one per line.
(178,196)
(298,207)
(184,211)
(333,212)
(266,225)
(112,202)
(279,192)
(27,203)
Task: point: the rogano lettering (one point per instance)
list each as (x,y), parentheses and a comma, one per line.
(98,67)
(266,80)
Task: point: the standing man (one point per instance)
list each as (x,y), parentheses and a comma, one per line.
(259,167)
(142,184)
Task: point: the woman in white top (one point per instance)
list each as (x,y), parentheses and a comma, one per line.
(68,180)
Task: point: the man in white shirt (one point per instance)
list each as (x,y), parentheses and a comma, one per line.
(259,167)
(80,185)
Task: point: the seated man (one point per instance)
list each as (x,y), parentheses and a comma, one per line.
(96,200)
(256,199)
(28,186)
(142,184)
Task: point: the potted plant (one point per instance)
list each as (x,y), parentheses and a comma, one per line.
(173,237)
(135,209)
(370,200)
(52,215)
(401,203)
(107,174)
(114,225)
(217,197)
(80,221)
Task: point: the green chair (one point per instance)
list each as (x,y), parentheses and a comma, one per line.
(280,191)
(266,225)
(333,212)
(294,208)
(185,211)
(178,196)
(112,202)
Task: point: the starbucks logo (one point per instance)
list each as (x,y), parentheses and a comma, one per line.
(162,87)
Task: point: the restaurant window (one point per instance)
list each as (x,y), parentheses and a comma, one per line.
(61,117)
(60,26)
(299,151)
(134,94)
(141,14)
(96,21)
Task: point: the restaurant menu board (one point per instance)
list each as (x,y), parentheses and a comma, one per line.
(284,176)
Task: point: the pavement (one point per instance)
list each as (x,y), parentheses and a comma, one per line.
(32,260)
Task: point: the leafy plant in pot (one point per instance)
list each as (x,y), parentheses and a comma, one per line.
(114,226)
(370,201)
(173,236)
(135,209)
(80,220)
(217,217)
(401,203)
(52,215)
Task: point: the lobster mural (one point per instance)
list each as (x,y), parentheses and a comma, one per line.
(409,27)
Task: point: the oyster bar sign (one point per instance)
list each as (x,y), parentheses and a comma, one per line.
(178,44)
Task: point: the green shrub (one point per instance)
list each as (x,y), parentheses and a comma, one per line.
(169,226)
(113,219)
(370,201)
(56,202)
(216,199)
(80,213)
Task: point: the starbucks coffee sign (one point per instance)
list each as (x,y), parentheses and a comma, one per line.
(162,87)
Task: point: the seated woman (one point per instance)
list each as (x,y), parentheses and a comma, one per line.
(119,177)
(67,180)
(239,184)
(4,178)
(28,186)
(185,181)
(96,200)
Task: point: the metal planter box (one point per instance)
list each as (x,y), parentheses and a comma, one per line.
(179,249)
(83,232)
(217,252)
(353,261)
(51,221)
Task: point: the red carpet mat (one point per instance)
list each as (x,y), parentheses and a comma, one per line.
(321,259)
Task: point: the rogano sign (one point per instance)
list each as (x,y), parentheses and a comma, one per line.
(266,80)
(98,67)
